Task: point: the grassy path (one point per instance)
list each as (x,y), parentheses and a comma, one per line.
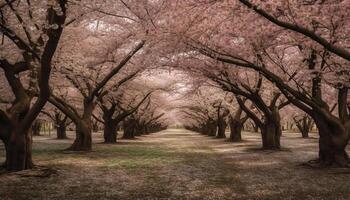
(176,164)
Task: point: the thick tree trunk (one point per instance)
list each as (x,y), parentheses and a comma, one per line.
(110,132)
(19,151)
(61,131)
(271,134)
(271,131)
(235,130)
(334,137)
(83,140)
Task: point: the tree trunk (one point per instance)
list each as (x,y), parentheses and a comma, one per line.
(334,137)
(235,130)
(305,133)
(271,134)
(19,150)
(304,125)
(83,140)
(61,131)
(271,131)
(110,132)
(212,130)
(128,132)
(221,129)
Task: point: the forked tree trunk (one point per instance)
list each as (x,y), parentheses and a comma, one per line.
(110,132)
(83,140)
(61,131)
(304,126)
(19,150)
(334,137)
(235,130)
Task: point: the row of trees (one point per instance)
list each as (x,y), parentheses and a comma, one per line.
(83,57)
(90,59)
(268,54)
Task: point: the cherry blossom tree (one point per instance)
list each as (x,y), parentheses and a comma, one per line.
(31,34)
(117,107)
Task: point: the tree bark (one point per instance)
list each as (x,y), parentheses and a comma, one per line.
(129,132)
(271,131)
(333,140)
(110,132)
(61,131)
(221,129)
(304,125)
(83,140)
(19,151)
(235,130)
(212,130)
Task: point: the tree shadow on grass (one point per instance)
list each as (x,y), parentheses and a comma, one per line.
(267,151)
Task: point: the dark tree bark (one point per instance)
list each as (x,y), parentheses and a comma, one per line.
(110,132)
(333,140)
(61,131)
(83,140)
(235,131)
(211,129)
(221,122)
(236,125)
(19,151)
(129,130)
(271,131)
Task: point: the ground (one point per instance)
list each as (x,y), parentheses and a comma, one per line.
(177,164)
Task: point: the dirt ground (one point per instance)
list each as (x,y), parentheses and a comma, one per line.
(177,164)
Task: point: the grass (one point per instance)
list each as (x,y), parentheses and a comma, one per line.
(176,164)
